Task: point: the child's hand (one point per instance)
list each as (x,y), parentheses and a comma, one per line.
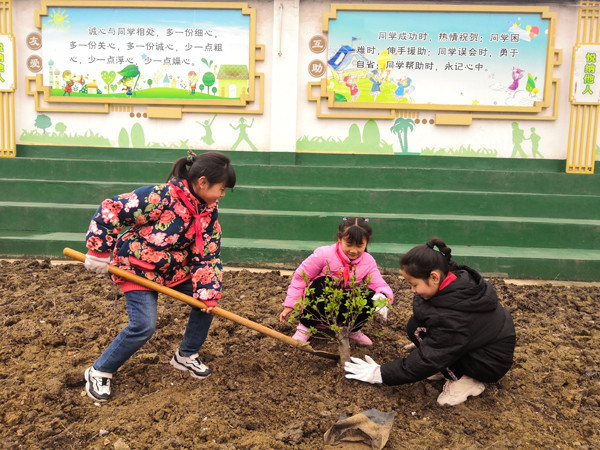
(96,264)
(283,317)
(383,310)
(367,370)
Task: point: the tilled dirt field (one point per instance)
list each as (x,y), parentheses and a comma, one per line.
(264,394)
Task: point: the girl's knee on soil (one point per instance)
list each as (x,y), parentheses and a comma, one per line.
(458,323)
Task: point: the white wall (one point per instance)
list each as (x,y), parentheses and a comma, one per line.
(285,27)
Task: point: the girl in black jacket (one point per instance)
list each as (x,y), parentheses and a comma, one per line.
(459,328)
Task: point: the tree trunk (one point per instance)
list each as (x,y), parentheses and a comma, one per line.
(343,340)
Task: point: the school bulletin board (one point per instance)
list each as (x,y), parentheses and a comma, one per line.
(166,53)
(455,57)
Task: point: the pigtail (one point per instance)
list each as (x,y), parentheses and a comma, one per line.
(214,166)
(182,166)
(421,260)
(444,250)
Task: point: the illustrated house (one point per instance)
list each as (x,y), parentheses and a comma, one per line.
(347,59)
(92,87)
(166,81)
(233,80)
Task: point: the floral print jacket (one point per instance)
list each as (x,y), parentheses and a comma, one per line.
(172,237)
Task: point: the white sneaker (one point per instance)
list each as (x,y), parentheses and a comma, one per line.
(456,392)
(97,384)
(190,363)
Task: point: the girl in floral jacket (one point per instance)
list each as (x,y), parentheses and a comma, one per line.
(174,239)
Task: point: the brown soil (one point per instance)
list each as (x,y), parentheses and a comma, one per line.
(263,394)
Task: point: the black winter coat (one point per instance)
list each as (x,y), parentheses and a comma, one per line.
(465,321)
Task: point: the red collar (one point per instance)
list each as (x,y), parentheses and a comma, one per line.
(449,279)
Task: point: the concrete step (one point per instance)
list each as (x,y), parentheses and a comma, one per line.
(322,225)
(441,202)
(418,200)
(516,218)
(499,261)
(148,172)
(454,229)
(297,158)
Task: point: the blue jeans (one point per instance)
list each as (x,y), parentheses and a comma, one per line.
(141,309)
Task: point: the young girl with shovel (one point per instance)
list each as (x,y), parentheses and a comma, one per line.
(174,239)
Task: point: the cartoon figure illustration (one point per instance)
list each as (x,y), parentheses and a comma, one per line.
(68,77)
(243,135)
(376,86)
(127,83)
(354,90)
(518,136)
(535,143)
(403,88)
(70,80)
(128,74)
(517,74)
(207,138)
(193,79)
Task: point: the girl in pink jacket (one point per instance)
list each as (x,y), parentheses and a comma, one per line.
(347,256)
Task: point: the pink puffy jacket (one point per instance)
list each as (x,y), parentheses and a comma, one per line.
(316,266)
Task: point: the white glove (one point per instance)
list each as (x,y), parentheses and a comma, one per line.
(96,264)
(367,370)
(382,311)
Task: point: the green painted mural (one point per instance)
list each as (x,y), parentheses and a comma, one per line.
(370,142)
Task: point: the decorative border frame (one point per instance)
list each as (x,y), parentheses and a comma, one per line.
(157,108)
(8,143)
(453,114)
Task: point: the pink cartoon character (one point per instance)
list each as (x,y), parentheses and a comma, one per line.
(517,74)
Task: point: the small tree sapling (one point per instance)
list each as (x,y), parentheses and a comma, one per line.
(337,308)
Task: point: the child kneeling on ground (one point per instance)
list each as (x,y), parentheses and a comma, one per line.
(458,328)
(347,256)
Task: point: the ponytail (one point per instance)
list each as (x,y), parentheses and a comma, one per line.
(214,166)
(421,260)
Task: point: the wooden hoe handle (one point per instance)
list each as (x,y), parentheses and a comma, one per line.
(200,304)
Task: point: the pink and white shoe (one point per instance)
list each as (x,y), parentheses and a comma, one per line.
(361,338)
(301,333)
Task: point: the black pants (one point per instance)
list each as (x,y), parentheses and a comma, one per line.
(481,364)
(318,284)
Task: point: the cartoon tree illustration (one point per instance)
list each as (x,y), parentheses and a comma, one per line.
(43,121)
(371,136)
(400,128)
(138,139)
(60,128)
(530,86)
(209,78)
(131,71)
(108,77)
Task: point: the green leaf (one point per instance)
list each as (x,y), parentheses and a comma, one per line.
(131,70)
